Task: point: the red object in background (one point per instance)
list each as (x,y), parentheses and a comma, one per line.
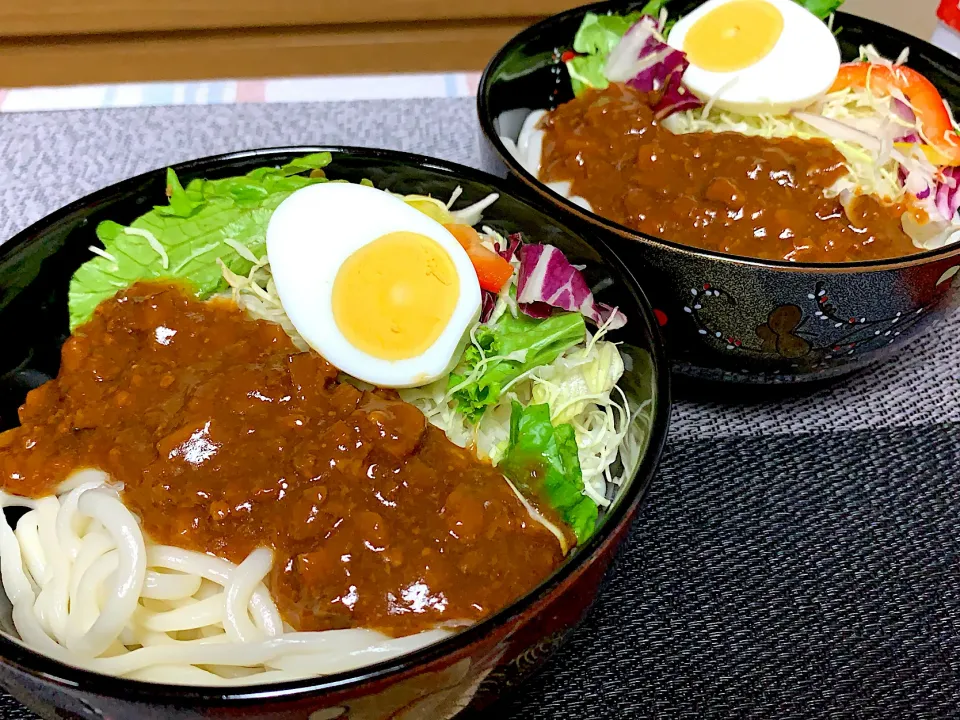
(949,12)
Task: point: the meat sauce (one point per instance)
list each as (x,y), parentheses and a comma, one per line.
(732,193)
(226,438)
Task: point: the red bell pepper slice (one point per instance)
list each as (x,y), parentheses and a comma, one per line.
(935,123)
(493,271)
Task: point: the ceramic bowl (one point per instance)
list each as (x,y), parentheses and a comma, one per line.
(724,317)
(469,670)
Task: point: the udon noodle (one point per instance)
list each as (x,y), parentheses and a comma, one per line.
(528,151)
(249,518)
(89,590)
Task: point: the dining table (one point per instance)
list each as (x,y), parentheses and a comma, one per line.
(798,553)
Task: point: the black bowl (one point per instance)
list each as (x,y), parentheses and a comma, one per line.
(467,671)
(725,317)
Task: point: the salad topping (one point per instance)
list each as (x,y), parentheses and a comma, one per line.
(893,189)
(533,390)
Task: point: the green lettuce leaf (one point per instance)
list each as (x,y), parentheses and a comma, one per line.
(525,342)
(653,8)
(821,8)
(542,460)
(182,204)
(597,36)
(208,220)
(587,71)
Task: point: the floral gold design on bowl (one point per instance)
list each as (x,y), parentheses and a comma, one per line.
(777,335)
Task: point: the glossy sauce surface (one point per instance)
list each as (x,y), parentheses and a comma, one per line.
(226,438)
(732,193)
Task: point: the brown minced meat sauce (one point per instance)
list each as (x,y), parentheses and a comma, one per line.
(732,193)
(226,438)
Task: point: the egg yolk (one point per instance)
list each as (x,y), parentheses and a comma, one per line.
(733,36)
(393,297)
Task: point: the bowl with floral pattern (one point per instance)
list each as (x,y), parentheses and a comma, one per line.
(727,317)
(466,671)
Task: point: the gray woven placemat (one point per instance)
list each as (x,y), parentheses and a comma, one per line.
(48,159)
(797,558)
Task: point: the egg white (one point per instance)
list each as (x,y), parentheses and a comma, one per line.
(309,236)
(800,68)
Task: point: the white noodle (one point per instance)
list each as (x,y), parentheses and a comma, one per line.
(106,507)
(168,586)
(238,593)
(88,591)
(528,151)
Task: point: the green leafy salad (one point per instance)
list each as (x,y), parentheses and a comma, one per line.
(205,224)
(535,389)
(600,34)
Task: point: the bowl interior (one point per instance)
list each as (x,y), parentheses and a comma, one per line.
(528,74)
(36,266)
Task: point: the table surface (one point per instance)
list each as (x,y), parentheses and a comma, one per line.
(796,558)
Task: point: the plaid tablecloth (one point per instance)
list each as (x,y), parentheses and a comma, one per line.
(798,557)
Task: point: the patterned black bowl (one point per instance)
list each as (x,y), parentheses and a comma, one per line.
(725,317)
(466,672)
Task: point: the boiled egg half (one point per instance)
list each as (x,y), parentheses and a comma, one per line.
(756,56)
(383,292)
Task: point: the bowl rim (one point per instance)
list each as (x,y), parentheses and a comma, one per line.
(48,670)
(485,117)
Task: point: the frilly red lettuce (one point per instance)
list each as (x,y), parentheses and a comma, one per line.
(537,310)
(675,98)
(914,183)
(487,305)
(644,61)
(630,49)
(507,252)
(947,195)
(940,195)
(547,277)
(940,198)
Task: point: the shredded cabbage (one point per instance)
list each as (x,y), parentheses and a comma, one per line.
(442,212)
(869,172)
(257,295)
(580,386)
(894,171)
